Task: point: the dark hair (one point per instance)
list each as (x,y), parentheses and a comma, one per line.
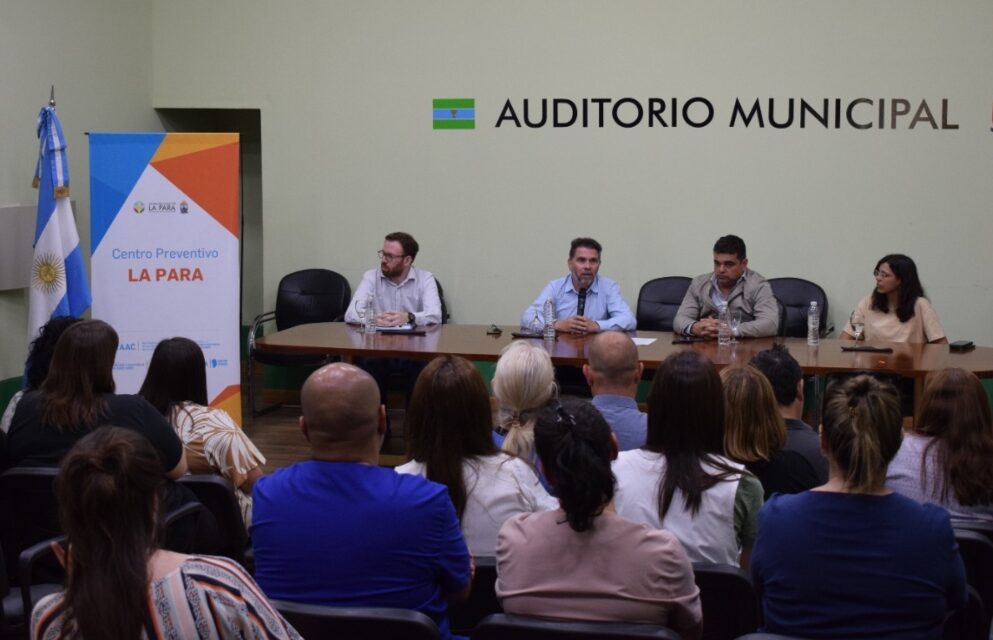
(686,425)
(588,243)
(410,246)
(177,373)
(910,290)
(573,443)
(449,421)
(955,412)
(106,489)
(782,370)
(41,348)
(731,244)
(861,423)
(81,372)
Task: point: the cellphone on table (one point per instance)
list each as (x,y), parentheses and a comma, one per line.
(961,345)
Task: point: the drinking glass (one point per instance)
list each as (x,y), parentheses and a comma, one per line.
(857,327)
(735,322)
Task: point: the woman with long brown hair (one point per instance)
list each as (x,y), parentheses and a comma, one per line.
(850,558)
(680,480)
(78,396)
(947,456)
(755,433)
(120,585)
(449,440)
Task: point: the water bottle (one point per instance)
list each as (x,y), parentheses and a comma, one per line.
(549,313)
(724,326)
(813,324)
(370,315)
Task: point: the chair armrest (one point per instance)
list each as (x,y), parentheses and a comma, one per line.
(25,568)
(257,323)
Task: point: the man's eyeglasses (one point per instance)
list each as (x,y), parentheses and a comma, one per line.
(388,256)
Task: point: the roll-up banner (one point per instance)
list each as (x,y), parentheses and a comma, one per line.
(164,247)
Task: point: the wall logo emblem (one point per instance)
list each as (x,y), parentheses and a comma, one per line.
(184,207)
(48,273)
(139,206)
(454,113)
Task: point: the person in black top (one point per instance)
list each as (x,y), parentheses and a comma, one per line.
(754,433)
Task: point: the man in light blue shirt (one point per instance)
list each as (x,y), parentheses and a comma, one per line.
(584,301)
(613,373)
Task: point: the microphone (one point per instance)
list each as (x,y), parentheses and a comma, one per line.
(581,305)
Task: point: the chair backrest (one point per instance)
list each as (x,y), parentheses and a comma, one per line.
(768,636)
(969,622)
(28,510)
(217,495)
(730,604)
(977,555)
(482,601)
(311,295)
(659,300)
(796,294)
(501,626)
(444,307)
(316,621)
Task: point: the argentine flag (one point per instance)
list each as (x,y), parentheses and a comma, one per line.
(58,278)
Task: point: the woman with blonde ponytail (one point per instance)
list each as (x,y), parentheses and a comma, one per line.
(850,558)
(523,382)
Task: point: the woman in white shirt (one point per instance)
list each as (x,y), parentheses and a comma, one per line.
(448,429)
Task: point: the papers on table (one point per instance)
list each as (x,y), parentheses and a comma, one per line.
(643,342)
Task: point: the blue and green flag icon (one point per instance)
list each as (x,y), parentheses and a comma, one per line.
(454,113)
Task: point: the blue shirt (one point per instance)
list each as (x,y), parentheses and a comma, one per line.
(604,303)
(356,535)
(838,565)
(629,423)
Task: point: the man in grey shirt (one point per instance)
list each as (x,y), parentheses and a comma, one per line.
(732,284)
(786,377)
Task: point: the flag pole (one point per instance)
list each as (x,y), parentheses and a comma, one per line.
(51,101)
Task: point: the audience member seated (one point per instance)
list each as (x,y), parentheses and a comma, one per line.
(731,284)
(680,480)
(176,385)
(338,530)
(449,428)
(77,396)
(896,310)
(947,456)
(613,373)
(786,378)
(120,585)
(524,380)
(851,559)
(39,357)
(584,561)
(755,434)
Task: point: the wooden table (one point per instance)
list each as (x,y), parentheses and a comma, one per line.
(471,341)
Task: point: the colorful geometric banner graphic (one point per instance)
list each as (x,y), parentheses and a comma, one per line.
(454,113)
(164,245)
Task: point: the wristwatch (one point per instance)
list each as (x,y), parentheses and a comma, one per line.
(410,317)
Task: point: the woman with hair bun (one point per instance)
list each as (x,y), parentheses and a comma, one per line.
(896,310)
(584,561)
(852,559)
(120,585)
(947,456)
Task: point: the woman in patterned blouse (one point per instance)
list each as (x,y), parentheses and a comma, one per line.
(119,585)
(176,385)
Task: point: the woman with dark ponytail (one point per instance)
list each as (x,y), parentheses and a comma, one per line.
(120,586)
(850,558)
(583,561)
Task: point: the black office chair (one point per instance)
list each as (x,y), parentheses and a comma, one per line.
(730,605)
(977,555)
(303,297)
(217,495)
(502,626)
(482,601)
(16,604)
(445,316)
(28,514)
(768,636)
(315,621)
(796,294)
(969,622)
(658,302)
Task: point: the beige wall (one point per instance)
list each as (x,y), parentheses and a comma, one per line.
(98,54)
(345,90)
